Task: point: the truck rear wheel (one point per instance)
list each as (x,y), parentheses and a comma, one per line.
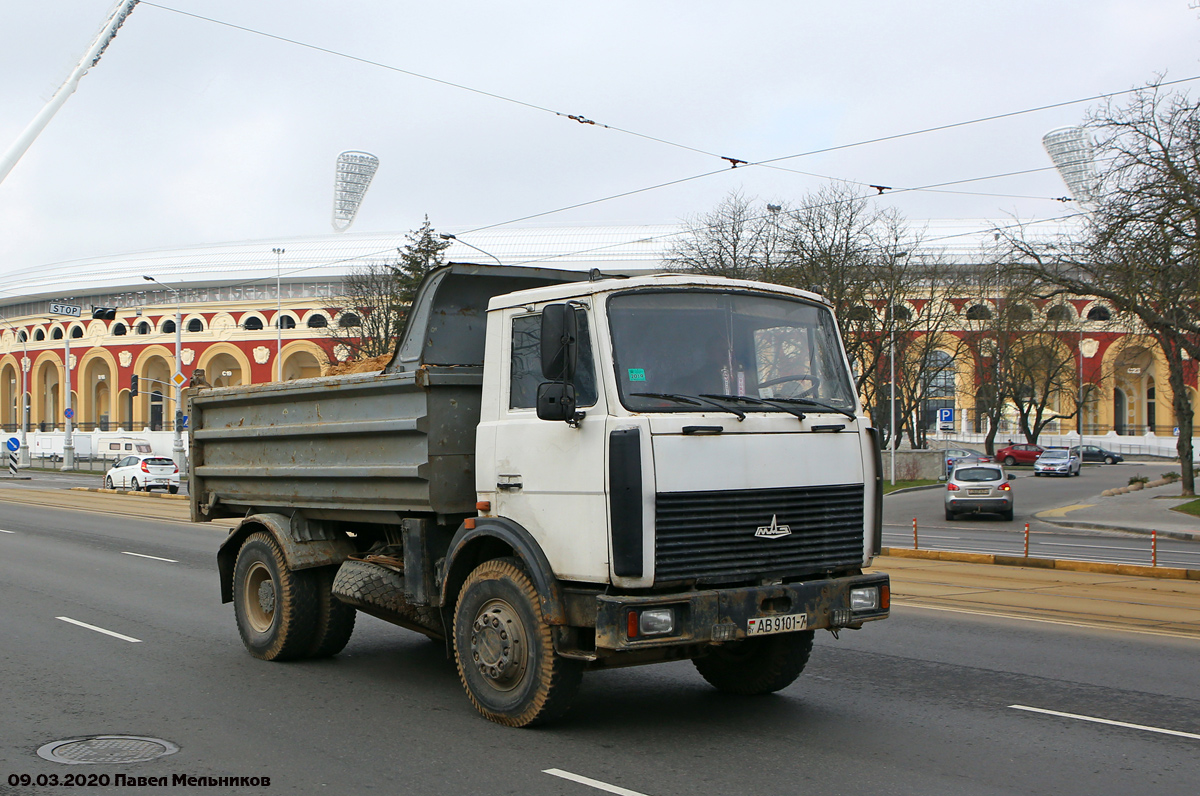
(757,665)
(276,608)
(504,651)
(335,619)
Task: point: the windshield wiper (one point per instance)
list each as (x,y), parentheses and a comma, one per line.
(817,404)
(758,402)
(694,400)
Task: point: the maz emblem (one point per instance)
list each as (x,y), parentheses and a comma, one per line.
(773,531)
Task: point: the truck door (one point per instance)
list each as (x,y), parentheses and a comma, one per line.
(549,475)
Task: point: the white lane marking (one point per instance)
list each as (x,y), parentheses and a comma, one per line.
(99,629)
(1106,721)
(156,558)
(4,531)
(593,783)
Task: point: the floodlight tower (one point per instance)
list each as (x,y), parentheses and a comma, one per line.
(354,173)
(107,33)
(1070,148)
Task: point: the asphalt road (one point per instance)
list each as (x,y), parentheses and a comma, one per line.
(987,533)
(922,703)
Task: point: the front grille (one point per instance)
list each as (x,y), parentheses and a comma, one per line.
(710,536)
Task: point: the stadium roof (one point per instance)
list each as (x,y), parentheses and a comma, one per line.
(331,257)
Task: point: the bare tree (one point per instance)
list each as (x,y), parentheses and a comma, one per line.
(732,240)
(1139,248)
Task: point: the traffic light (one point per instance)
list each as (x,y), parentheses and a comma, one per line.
(133,380)
(104,313)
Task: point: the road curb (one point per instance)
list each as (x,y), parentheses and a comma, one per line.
(914,489)
(1095,526)
(1168,573)
(129,493)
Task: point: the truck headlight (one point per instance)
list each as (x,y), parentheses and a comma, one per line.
(864,599)
(656,622)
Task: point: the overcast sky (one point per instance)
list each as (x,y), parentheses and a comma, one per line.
(191,132)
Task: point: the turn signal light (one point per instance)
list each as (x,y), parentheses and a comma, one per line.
(1005,487)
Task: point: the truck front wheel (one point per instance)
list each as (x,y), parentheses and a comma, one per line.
(276,608)
(757,665)
(504,651)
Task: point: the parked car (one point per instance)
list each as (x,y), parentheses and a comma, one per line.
(1019,454)
(143,472)
(979,488)
(1058,461)
(963,456)
(1094,453)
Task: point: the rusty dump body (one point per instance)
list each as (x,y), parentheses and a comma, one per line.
(368,448)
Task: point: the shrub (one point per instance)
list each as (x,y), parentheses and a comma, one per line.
(1171,476)
(1138,479)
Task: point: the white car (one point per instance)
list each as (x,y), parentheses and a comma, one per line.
(143,472)
(1057,461)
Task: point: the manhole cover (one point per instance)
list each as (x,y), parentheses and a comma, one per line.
(106,749)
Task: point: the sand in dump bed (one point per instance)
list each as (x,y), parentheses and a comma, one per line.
(372,365)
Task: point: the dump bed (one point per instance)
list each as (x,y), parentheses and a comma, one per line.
(363,448)
(359,448)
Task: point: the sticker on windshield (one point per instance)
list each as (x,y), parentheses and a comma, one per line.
(637,374)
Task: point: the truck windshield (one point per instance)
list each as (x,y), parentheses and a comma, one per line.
(673,345)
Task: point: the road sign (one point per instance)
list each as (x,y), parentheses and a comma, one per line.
(70,413)
(945,415)
(13,444)
(65,309)
(179,379)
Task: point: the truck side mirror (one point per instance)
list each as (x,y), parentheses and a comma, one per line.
(560,349)
(556,401)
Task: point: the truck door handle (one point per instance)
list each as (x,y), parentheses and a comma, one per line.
(509,482)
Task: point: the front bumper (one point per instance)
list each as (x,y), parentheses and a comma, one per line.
(723,614)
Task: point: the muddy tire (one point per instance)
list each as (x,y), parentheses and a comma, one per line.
(335,619)
(276,608)
(757,665)
(108,484)
(504,651)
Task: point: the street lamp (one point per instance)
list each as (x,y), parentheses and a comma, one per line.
(177,448)
(448,236)
(24,391)
(278,318)
(892,424)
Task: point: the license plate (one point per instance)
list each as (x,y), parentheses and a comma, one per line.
(978,491)
(762,625)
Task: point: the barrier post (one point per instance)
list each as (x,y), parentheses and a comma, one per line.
(1027,540)
(1154,548)
(915,547)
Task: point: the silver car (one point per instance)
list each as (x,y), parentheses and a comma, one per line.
(1057,461)
(979,487)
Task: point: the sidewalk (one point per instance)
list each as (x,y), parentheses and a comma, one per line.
(1134,512)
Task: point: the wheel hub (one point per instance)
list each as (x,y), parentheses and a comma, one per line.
(266,596)
(497,644)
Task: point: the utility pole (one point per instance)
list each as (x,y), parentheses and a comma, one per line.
(278,317)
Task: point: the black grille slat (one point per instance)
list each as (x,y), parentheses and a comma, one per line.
(709,536)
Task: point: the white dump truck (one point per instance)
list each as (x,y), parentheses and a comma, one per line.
(559,471)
